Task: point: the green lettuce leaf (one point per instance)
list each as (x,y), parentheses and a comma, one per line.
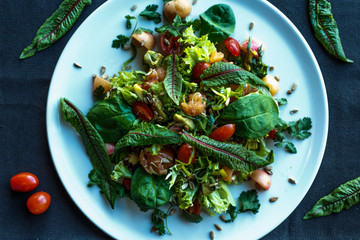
(219,200)
(233,155)
(120,170)
(183,194)
(95,148)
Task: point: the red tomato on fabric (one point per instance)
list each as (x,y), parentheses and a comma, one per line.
(142,111)
(233,46)
(24,182)
(223,133)
(38,203)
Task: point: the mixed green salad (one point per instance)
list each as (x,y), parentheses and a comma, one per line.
(196,119)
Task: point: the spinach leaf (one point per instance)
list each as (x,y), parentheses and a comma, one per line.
(221,74)
(233,155)
(55,26)
(254,115)
(173,79)
(147,134)
(149,191)
(218,21)
(325,28)
(112,118)
(344,197)
(95,148)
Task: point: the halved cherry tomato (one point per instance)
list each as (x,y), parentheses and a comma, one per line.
(127,183)
(24,182)
(195,208)
(261,178)
(198,70)
(169,44)
(38,202)
(272,133)
(233,46)
(143,111)
(185,152)
(223,133)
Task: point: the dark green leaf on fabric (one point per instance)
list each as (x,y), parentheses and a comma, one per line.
(343,197)
(55,26)
(325,28)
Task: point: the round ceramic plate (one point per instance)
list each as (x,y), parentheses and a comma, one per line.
(286,50)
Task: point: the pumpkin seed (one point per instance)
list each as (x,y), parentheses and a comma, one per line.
(273,199)
(251,26)
(292,181)
(102,70)
(212,235)
(218,227)
(172,212)
(77,65)
(133,8)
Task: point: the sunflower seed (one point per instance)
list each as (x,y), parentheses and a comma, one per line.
(251,26)
(105,76)
(268,172)
(273,199)
(268,168)
(277,78)
(295,110)
(212,235)
(294,86)
(194,2)
(222,217)
(191,185)
(102,70)
(292,181)
(185,185)
(128,67)
(172,212)
(271,68)
(133,8)
(77,65)
(218,227)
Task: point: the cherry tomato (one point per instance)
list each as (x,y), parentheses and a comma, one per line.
(198,70)
(169,44)
(38,202)
(127,183)
(143,111)
(272,133)
(195,208)
(24,182)
(233,46)
(223,133)
(261,178)
(186,152)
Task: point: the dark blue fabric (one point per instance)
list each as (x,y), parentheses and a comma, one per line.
(23,93)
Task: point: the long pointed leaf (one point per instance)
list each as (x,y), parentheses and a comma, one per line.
(173,79)
(325,28)
(94,145)
(233,155)
(220,74)
(55,26)
(344,197)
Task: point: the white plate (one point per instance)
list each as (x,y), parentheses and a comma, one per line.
(286,49)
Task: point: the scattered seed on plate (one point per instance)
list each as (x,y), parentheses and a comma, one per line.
(251,26)
(273,199)
(218,227)
(277,78)
(172,212)
(128,67)
(212,235)
(133,8)
(102,70)
(194,2)
(77,65)
(292,181)
(153,229)
(222,217)
(268,172)
(271,68)
(294,86)
(295,110)
(105,76)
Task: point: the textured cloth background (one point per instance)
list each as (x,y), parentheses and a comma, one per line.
(23,142)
